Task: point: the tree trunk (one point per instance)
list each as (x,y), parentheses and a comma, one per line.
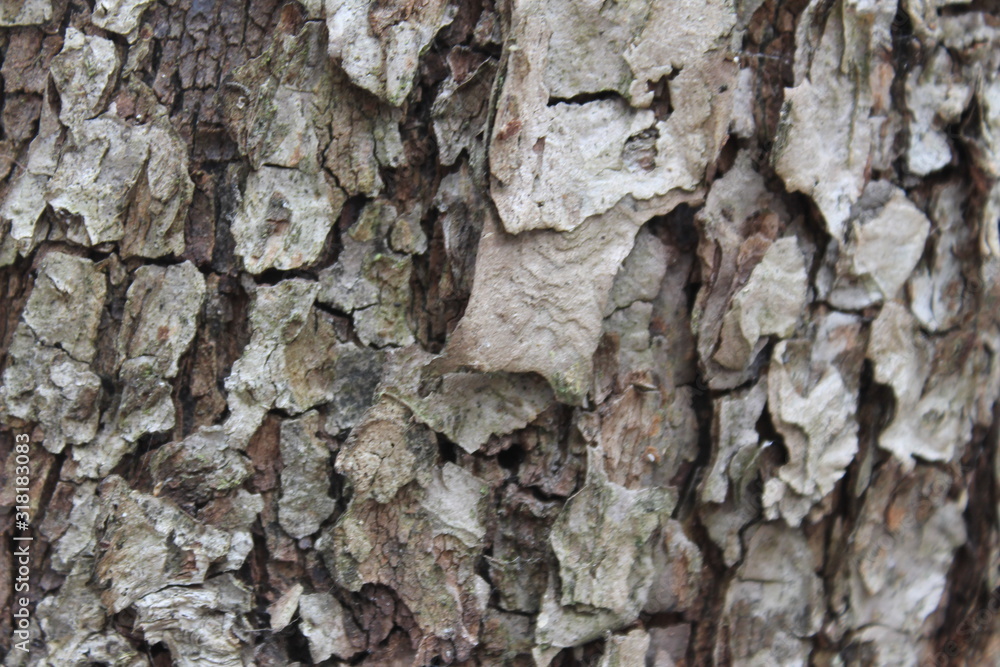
(381,332)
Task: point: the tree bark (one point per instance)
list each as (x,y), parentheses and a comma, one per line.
(536,332)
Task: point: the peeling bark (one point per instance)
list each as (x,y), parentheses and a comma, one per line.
(463,332)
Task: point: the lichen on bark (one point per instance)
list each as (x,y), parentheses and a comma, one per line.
(501,333)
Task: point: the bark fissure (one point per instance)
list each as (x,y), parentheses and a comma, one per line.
(380,332)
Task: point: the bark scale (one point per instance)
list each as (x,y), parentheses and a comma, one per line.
(381,332)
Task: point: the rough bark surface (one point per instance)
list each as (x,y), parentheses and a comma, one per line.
(502,332)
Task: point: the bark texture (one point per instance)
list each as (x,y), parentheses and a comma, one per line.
(527,332)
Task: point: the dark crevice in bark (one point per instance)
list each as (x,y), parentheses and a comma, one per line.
(297,645)
(272,277)
(876,410)
(511,458)
(706,616)
(769,49)
(677,228)
(334,240)
(906,53)
(587,655)
(971,604)
(587,98)
(662,106)
(135,467)
(427,308)
(447,450)
(769,434)
(337,314)
(701,400)
(727,158)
